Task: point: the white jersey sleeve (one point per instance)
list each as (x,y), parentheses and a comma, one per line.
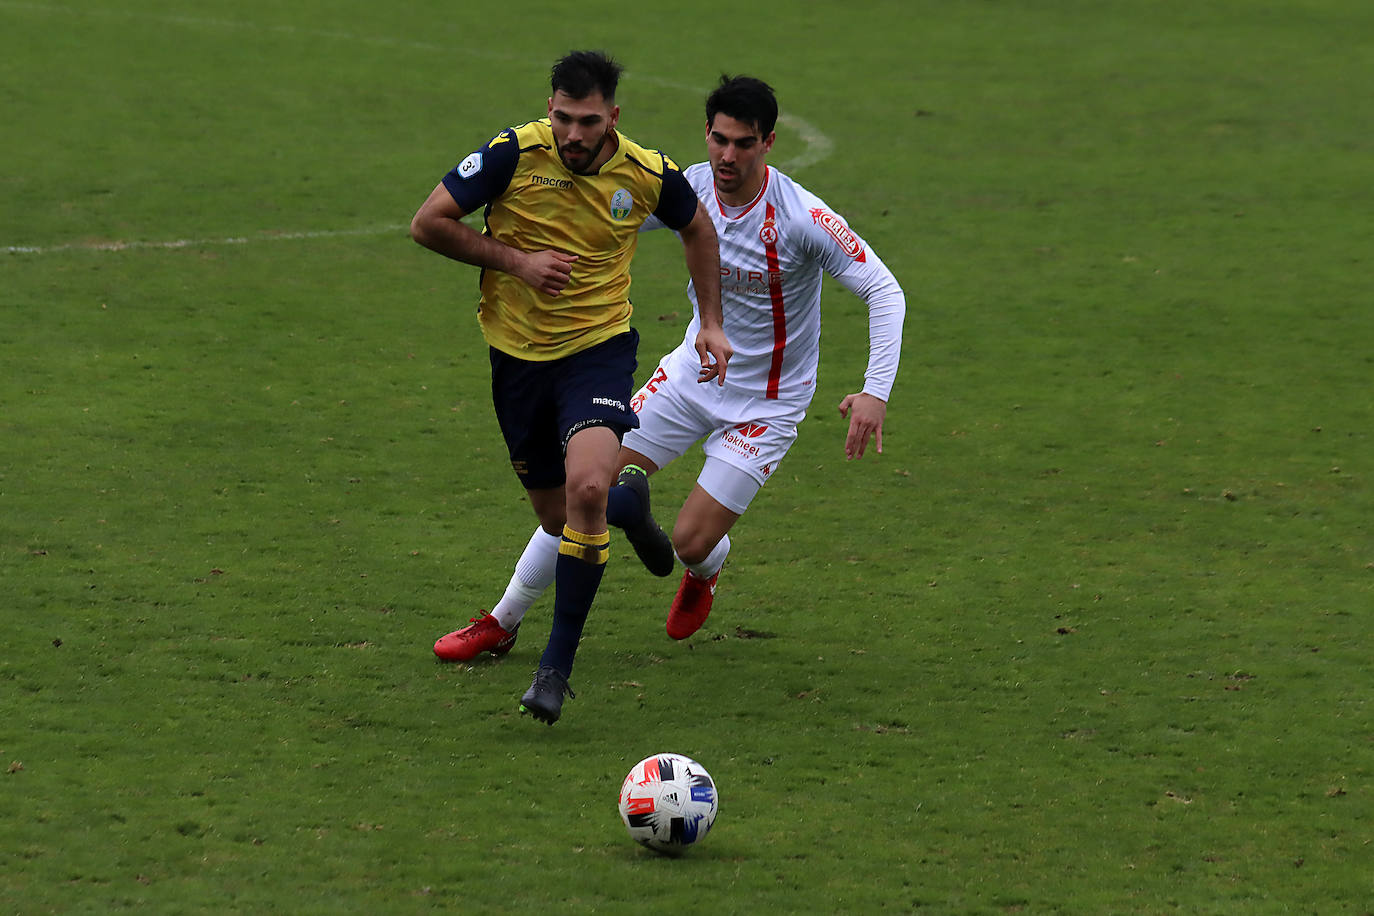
(845,255)
(878,288)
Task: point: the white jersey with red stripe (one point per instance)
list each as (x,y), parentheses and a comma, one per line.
(773,253)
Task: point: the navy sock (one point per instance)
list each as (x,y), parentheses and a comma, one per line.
(577,575)
(623,506)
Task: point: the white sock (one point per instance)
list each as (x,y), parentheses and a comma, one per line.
(714,560)
(533,574)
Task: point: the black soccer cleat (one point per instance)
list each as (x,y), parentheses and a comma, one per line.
(544,699)
(651,544)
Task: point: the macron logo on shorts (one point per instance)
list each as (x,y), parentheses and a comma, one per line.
(608,402)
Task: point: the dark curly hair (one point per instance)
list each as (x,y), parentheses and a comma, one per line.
(581,73)
(747,100)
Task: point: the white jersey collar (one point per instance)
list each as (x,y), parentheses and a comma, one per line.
(733,213)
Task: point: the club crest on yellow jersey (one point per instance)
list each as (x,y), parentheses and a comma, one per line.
(621,204)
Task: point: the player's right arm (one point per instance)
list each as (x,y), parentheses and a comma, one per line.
(438,226)
(480,178)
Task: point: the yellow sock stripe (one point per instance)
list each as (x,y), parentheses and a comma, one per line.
(589,548)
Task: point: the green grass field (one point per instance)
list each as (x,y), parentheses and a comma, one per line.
(1091,636)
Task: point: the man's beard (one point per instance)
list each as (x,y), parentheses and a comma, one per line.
(590,154)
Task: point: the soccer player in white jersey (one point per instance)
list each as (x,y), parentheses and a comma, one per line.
(776,240)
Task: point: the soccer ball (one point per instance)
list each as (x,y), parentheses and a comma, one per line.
(668,802)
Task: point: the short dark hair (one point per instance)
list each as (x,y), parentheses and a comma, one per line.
(747,100)
(580,73)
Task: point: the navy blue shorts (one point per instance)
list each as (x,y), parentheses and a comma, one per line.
(540,405)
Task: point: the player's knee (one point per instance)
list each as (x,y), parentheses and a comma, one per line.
(587,494)
(691,546)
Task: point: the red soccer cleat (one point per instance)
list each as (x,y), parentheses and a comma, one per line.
(691,605)
(484,634)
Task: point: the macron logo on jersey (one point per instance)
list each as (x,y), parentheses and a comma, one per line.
(840,233)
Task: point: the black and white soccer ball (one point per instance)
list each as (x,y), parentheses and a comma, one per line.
(668,802)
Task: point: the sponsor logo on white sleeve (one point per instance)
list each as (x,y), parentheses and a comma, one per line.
(840,233)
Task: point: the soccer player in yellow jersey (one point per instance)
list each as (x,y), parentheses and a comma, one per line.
(564,198)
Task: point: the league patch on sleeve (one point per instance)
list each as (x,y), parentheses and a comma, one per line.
(841,233)
(471,165)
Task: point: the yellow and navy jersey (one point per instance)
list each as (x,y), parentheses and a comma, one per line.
(534,203)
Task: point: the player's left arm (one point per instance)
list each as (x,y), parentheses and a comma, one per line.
(679,209)
(701,249)
(873,282)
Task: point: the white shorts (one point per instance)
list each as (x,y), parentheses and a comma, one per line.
(745,437)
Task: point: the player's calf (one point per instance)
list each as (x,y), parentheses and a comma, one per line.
(628,509)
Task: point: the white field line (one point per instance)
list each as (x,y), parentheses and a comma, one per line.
(266,236)
(816,146)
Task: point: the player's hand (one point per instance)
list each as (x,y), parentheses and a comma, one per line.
(714,351)
(547,271)
(866,414)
